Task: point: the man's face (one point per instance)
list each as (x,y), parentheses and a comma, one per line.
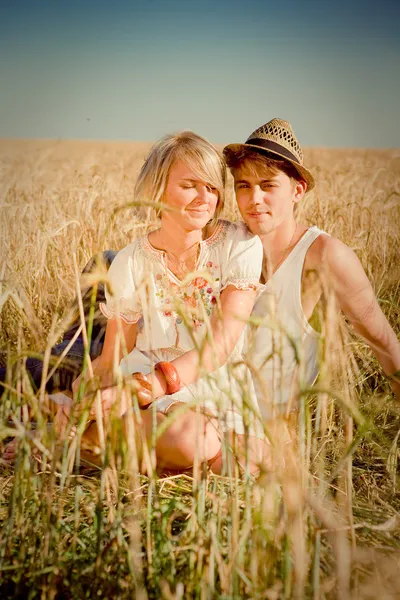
(266,201)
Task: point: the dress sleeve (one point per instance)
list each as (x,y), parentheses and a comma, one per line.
(121,294)
(244,255)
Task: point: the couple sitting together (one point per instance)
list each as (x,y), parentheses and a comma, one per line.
(210,320)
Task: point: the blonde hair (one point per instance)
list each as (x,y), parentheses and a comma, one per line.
(199,156)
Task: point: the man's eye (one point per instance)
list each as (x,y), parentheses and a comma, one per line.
(241,186)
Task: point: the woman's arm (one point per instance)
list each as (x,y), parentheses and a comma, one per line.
(103,365)
(125,335)
(227,323)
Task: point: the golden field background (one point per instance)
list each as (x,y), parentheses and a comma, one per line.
(61,201)
(60,198)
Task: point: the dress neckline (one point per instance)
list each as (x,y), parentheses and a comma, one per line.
(202,243)
(161,254)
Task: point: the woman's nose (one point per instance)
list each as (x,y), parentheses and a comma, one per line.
(204,192)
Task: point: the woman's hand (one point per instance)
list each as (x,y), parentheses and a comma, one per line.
(102,379)
(143,389)
(139,385)
(108,397)
(76,384)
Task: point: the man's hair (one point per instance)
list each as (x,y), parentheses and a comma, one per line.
(257,163)
(201,157)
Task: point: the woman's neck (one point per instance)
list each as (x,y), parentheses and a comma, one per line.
(173,238)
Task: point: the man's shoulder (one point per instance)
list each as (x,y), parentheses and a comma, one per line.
(324,248)
(329,254)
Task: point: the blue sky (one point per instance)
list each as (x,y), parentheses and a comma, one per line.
(137,70)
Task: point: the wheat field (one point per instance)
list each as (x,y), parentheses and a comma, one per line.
(328,526)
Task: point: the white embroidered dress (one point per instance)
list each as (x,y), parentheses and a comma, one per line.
(173,315)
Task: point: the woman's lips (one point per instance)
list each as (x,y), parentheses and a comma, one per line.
(197,211)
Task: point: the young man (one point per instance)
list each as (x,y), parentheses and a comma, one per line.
(304,267)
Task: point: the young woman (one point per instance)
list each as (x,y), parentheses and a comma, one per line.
(177,304)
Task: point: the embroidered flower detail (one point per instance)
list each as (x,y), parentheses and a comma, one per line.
(200,282)
(197,297)
(190,301)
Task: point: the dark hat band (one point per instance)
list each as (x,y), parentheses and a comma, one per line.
(273,147)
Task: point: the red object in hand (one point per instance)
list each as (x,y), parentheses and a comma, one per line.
(171,376)
(144,393)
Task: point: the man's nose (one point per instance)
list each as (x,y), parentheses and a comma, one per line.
(256,196)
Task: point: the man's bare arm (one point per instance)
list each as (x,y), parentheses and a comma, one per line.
(357,300)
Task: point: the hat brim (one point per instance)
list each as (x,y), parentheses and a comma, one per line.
(302,171)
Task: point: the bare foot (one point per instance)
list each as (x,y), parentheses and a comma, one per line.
(10,452)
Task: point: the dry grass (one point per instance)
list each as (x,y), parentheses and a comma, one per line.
(327,527)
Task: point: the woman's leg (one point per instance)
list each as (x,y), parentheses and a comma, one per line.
(189,437)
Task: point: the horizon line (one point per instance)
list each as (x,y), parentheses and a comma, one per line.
(131,141)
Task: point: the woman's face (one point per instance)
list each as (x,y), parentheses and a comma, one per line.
(196,200)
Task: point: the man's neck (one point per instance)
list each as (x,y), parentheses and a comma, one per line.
(279,243)
(277,240)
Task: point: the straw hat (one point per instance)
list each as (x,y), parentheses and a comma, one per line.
(276,139)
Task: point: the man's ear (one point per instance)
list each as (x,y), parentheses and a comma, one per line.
(299,190)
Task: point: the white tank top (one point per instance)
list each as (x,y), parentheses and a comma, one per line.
(283,346)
